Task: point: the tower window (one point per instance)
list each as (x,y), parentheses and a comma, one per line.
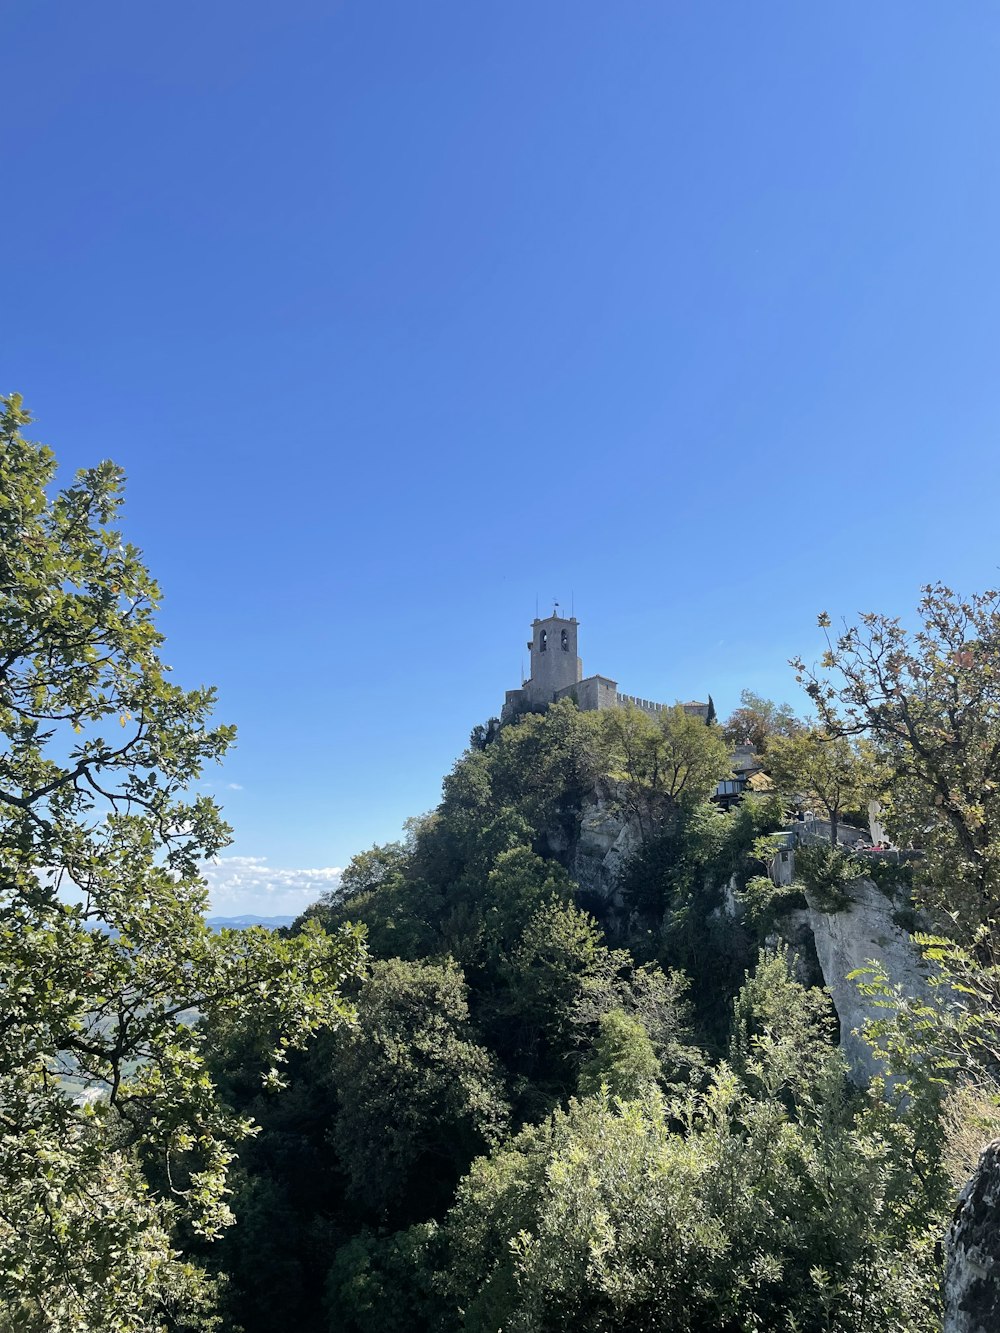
(543,641)
(565,642)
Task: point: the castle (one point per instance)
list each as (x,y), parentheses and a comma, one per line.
(557,673)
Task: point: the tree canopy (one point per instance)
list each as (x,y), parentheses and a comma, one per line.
(928,700)
(530,1106)
(663,762)
(105,958)
(814,765)
(757,719)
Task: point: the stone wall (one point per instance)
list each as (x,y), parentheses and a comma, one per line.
(596,692)
(646,705)
(515,702)
(655,709)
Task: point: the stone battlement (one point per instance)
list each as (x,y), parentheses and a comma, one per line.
(647,705)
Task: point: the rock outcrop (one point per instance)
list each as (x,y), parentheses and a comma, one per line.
(972,1272)
(864,930)
(829,945)
(604,841)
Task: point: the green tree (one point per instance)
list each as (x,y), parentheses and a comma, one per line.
(544,764)
(104,952)
(484,734)
(757,719)
(782,1038)
(721,1211)
(677,887)
(369,870)
(531,1007)
(657,1001)
(929,701)
(418,1096)
(774,1198)
(662,763)
(942,1047)
(386,1284)
(817,765)
(623,1060)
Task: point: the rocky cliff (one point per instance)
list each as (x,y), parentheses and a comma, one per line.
(836,943)
(972,1273)
(864,930)
(603,842)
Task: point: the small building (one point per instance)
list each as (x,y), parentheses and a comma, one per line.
(746,776)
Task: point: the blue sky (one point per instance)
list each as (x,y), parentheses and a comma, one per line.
(399,316)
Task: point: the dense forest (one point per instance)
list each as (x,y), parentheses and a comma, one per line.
(541,1122)
(466,1090)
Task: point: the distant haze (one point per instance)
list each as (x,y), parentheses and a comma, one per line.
(242,922)
(249,885)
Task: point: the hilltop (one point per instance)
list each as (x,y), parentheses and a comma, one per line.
(577,954)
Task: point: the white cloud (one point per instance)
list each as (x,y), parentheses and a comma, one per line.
(241,885)
(235,786)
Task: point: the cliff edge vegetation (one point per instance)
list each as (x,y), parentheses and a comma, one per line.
(574,1053)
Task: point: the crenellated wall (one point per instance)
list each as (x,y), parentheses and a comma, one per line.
(647,705)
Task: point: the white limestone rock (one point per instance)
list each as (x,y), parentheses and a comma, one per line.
(863,931)
(837,943)
(605,842)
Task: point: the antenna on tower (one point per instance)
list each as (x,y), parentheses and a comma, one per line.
(572,604)
(536,605)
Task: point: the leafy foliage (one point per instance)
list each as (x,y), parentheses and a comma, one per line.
(757,720)
(386,1283)
(813,764)
(766,902)
(623,1060)
(104,953)
(953,1026)
(678,889)
(662,763)
(756,1213)
(827,872)
(782,1032)
(413,1068)
(929,702)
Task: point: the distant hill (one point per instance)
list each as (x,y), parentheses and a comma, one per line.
(220,923)
(242,922)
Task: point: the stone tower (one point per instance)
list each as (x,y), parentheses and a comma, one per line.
(555,665)
(557,672)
